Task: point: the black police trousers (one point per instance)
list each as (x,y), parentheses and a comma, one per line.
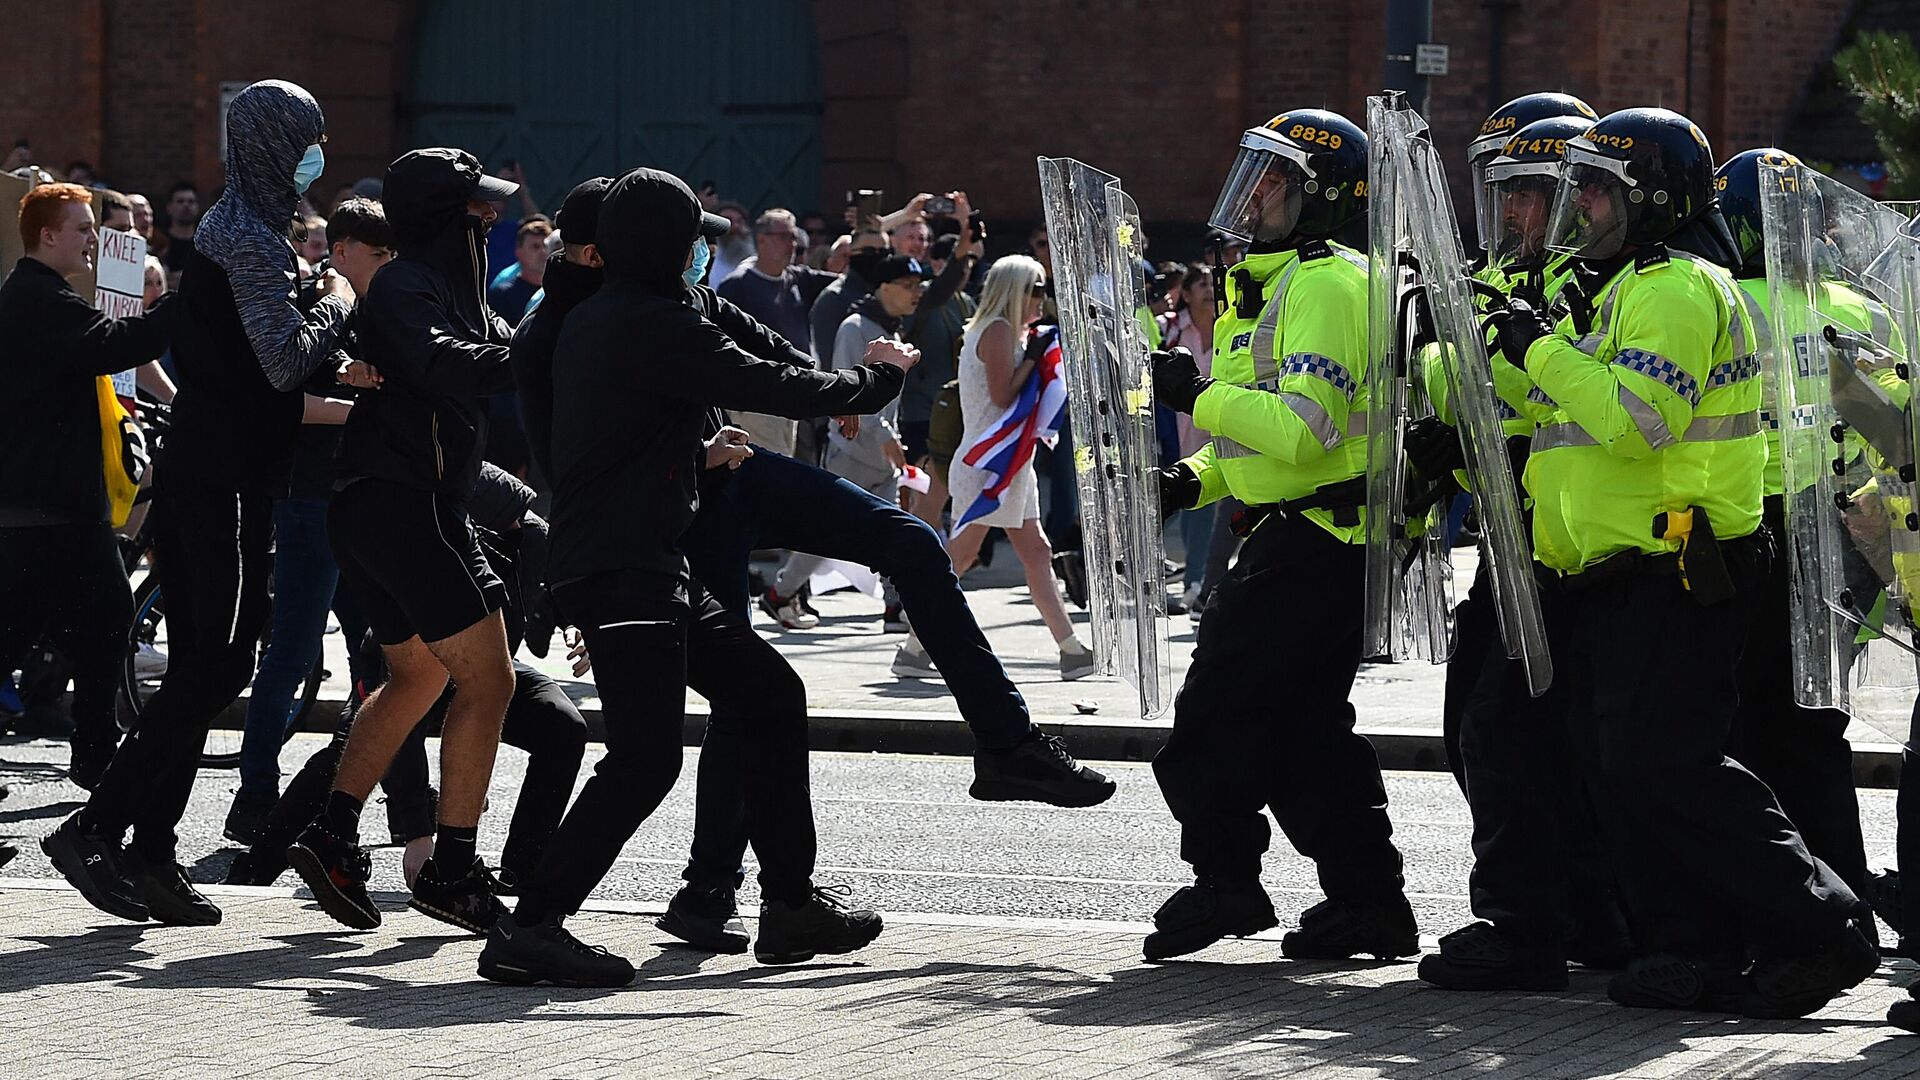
(1540,873)
(1263,720)
(1802,754)
(1704,857)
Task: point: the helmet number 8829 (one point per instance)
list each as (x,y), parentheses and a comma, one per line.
(1316,136)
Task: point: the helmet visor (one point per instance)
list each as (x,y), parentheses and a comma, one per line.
(1483,202)
(1262,196)
(1519,199)
(1589,211)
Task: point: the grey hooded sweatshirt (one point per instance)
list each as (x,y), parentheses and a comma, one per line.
(242,348)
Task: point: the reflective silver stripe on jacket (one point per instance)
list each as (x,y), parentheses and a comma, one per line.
(1703,429)
(1359,426)
(1268,370)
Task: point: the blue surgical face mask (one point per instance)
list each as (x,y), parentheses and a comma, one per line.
(312,164)
(702,255)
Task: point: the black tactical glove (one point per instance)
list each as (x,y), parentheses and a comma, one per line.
(1516,327)
(1179,489)
(1433,447)
(1177,382)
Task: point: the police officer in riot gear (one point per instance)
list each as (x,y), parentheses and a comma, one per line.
(1646,478)
(1540,888)
(1802,754)
(1263,717)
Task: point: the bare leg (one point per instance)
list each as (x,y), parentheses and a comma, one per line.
(927,507)
(482,672)
(1036,558)
(965,547)
(415,681)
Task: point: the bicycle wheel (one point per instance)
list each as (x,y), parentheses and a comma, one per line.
(146,666)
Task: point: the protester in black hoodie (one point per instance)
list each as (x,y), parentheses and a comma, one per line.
(573,274)
(399,526)
(635,374)
(243,351)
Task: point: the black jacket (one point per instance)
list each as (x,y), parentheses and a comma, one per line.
(635,373)
(439,349)
(53,344)
(566,284)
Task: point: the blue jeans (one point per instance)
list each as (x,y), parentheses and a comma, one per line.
(305,585)
(773,501)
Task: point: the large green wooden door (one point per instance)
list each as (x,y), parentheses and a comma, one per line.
(721,90)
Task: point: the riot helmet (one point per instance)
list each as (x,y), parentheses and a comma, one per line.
(1500,128)
(1300,176)
(1634,178)
(1737,184)
(1519,188)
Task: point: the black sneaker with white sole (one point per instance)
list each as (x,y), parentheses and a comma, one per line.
(548,953)
(823,923)
(466,899)
(705,917)
(93,863)
(1037,769)
(337,871)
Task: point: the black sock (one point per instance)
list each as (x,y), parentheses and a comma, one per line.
(342,816)
(531,912)
(453,849)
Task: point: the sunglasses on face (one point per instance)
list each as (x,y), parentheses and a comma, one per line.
(1039,288)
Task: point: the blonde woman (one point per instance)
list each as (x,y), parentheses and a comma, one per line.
(992,368)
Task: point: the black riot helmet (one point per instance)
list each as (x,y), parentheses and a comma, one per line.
(1738,185)
(1521,182)
(1634,178)
(1300,176)
(1503,124)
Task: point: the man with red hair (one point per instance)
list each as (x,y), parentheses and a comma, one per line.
(60,567)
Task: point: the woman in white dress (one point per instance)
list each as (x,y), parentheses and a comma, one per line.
(992,369)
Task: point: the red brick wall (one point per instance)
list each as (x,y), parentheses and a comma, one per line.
(50,91)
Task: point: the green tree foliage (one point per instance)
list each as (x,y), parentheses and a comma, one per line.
(1883,71)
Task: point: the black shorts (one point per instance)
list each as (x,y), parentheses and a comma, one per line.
(413,561)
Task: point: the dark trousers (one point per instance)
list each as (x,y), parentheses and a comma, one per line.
(651,637)
(540,719)
(1802,754)
(1263,720)
(1704,858)
(1062,521)
(1906,814)
(214,552)
(306,584)
(66,585)
(1476,641)
(1540,873)
(776,502)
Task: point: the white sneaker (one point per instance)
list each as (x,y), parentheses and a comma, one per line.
(910,661)
(788,612)
(148,661)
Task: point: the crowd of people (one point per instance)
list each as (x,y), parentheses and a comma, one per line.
(359,400)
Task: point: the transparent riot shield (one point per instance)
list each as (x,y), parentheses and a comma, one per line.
(1441,268)
(1852,541)
(1095,230)
(1409,584)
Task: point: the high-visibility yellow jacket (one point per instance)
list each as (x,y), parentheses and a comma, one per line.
(1288,405)
(1656,409)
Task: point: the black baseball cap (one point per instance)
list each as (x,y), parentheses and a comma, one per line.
(425,188)
(579,216)
(895,267)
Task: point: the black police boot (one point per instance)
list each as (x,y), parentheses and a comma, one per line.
(94,863)
(464,897)
(1479,956)
(548,953)
(1789,987)
(705,917)
(796,933)
(1203,913)
(337,871)
(1341,930)
(1037,769)
(169,896)
(1906,1014)
(1673,981)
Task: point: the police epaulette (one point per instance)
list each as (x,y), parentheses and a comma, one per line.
(1649,257)
(1315,249)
